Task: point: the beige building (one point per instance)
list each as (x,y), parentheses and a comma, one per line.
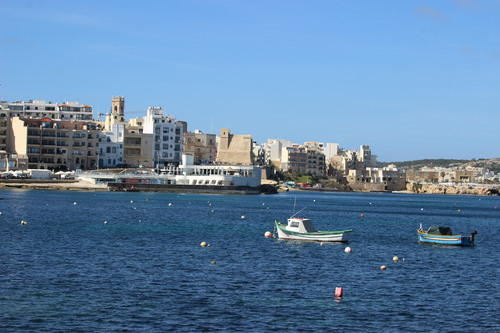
(54,144)
(203,147)
(304,159)
(234,149)
(423,176)
(377,179)
(138,146)
(427,175)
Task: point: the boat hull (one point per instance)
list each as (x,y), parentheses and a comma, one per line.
(319,236)
(445,239)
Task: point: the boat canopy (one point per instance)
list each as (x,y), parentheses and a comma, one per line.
(440,231)
(300,225)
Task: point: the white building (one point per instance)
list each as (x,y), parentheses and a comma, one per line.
(38,109)
(331,150)
(274,151)
(111,147)
(167,141)
(365,156)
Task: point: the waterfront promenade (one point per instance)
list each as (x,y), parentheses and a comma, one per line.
(69,185)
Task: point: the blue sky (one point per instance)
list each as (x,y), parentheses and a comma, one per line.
(412,79)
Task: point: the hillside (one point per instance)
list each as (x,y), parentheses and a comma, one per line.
(492,164)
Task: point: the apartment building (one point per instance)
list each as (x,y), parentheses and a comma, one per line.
(167,136)
(138,146)
(203,147)
(37,109)
(304,159)
(274,150)
(111,147)
(54,144)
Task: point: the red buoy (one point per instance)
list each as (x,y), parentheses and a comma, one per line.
(338,292)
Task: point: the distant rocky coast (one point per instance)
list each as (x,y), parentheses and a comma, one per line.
(462,189)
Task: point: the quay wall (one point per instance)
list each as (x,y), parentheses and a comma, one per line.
(176,188)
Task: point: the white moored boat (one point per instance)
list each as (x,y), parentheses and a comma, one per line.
(303,229)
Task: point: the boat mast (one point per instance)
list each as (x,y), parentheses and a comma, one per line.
(298,212)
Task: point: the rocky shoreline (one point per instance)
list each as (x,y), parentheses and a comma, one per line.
(451,189)
(415,188)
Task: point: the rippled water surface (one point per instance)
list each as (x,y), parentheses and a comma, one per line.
(104,262)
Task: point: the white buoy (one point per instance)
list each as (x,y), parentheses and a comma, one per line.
(383,268)
(203,244)
(395,259)
(268,234)
(24,223)
(131,201)
(243,217)
(74,203)
(170,204)
(105,222)
(348,250)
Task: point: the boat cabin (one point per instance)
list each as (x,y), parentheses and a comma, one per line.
(440,231)
(300,225)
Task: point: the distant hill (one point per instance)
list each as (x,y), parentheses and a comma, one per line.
(492,164)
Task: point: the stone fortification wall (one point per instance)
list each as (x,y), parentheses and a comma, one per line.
(234,149)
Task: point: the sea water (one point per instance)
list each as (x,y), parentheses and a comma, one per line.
(118,262)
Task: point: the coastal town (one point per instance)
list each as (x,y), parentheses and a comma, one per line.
(47,140)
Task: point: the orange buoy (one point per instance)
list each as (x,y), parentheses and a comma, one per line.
(339,291)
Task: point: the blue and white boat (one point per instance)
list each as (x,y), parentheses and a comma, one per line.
(444,236)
